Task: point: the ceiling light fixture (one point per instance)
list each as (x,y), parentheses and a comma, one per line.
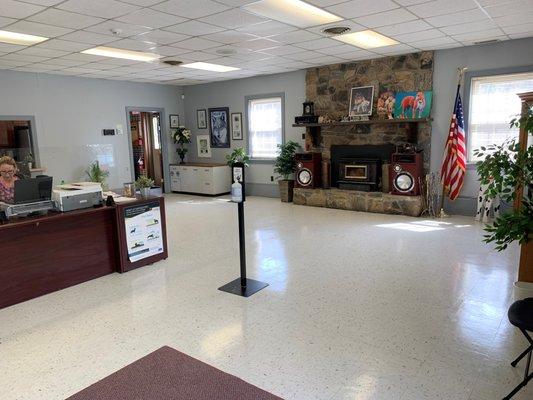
(366,39)
(121,53)
(210,67)
(293,12)
(20,38)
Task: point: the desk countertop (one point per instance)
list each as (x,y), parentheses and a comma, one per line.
(205,165)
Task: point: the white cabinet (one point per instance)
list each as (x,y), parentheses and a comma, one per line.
(211,179)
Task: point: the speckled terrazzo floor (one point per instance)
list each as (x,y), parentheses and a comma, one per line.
(360,306)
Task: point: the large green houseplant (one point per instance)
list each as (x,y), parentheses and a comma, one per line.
(96,174)
(505,168)
(285,166)
(238,155)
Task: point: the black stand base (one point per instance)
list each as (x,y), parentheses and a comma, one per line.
(236,287)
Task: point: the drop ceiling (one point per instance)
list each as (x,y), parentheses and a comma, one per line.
(223,32)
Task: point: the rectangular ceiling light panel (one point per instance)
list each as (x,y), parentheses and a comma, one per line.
(20,38)
(121,53)
(210,67)
(293,12)
(366,39)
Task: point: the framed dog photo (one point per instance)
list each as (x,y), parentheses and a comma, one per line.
(201,119)
(236,126)
(174,121)
(219,127)
(361,99)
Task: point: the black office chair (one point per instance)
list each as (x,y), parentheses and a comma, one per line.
(521,315)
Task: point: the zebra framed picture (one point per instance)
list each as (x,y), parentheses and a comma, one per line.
(219,127)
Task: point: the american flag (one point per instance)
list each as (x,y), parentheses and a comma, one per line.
(454,164)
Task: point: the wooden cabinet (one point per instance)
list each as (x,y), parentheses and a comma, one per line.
(209,179)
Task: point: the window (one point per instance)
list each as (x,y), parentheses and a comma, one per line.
(265,127)
(493,103)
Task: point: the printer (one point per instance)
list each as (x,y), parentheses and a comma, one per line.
(76,196)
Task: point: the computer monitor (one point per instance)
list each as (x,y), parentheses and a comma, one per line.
(33,190)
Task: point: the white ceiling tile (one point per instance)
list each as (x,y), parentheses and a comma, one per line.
(161,37)
(99,66)
(24,57)
(338,49)
(233,19)
(6,21)
(191,8)
(228,51)
(515,19)
(479,36)
(64,19)
(89,37)
(324,3)
(62,62)
(267,28)
(151,18)
(283,50)
(31,69)
(423,35)
(463,17)
(303,55)
(230,37)
(317,44)
(197,44)
(35,28)
(98,8)
(522,28)
(441,7)
(358,8)
(410,2)
(142,3)
(470,27)
(515,7)
(521,35)
(169,51)
(47,3)
(258,44)
(78,70)
(65,45)
(485,40)
(11,63)
(17,9)
(87,58)
(8,48)
(391,17)
(37,51)
(427,44)
(295,37)
(395,49)
(357,54)
(45,67)
(194,28)
(406,27)
(123,30)
(136,45)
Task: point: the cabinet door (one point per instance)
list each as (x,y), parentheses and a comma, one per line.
(175,179)
(186,179)
(206,178)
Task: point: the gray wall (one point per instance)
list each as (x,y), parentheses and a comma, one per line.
(71,112)
(504,55)
(231,94)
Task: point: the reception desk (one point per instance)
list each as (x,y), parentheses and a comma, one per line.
(52,252)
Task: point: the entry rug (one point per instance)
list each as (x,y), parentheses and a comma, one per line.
(167,374)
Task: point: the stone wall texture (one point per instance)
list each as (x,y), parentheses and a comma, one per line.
(329,88)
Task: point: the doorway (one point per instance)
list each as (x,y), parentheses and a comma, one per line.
(147,147)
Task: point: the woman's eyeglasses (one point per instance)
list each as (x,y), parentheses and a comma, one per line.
(7,173)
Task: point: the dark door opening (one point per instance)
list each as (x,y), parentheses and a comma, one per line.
(145,129)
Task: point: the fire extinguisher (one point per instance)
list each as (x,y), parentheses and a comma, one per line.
(140,163)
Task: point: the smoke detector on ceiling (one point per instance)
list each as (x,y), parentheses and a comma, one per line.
(336,30)
(172,62)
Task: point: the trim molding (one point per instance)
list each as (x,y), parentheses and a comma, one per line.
(262,189)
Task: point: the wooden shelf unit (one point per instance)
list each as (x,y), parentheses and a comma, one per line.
(411,126)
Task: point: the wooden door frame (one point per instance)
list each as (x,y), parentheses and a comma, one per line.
(164,142)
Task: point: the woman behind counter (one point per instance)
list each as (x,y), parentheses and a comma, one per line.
(8,169)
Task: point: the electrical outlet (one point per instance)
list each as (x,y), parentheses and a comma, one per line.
(271,179)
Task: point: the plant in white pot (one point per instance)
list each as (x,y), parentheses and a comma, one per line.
(285,166)
(144,184)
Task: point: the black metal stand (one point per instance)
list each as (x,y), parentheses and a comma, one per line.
(527,375)
(243,286)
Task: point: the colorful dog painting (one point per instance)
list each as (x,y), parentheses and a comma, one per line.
(413,104)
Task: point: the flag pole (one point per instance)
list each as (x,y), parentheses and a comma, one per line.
(461,71)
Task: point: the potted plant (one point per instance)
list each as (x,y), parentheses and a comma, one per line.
(181,137)
(143,183)
(28,160)
(285,166)
(505,168)
(97,174)
(238,155)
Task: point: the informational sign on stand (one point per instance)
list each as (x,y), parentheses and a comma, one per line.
(144,234)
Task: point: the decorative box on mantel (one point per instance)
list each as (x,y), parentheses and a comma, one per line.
(354,200)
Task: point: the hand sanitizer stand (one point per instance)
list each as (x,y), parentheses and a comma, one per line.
(242,286)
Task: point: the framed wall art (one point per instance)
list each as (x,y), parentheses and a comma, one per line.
(219,127)
(361,99)
(202,143)
(201,119)
(236,126)
(413,104)
(174,121)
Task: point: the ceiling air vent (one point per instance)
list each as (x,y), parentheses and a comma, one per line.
(336,30)
(226,52)
(172,62)
(487,41)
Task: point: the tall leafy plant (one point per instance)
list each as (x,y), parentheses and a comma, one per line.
(96,174)
(238,155)
(505,168)
(285,164)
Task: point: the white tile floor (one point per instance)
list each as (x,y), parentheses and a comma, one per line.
(360,306)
